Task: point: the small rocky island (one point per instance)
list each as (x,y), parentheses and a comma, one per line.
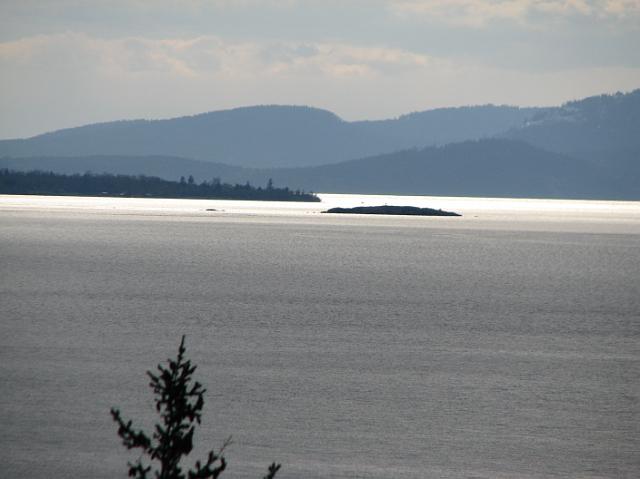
(392,210)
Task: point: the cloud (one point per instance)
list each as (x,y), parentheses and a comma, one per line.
(622,8)
(338,60)
(206,55)
(479,13)
(68,79)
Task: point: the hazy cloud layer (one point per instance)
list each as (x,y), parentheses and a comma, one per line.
(480,13)
(69,62)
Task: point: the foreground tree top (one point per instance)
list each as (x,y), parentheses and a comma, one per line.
(179,402)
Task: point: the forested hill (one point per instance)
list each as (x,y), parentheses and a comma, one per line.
(167,167)
(583,149)
(492,167)
(270,136)
(604,123)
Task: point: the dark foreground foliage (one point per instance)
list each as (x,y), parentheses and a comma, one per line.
(90,184)
(392,210)
(179,402)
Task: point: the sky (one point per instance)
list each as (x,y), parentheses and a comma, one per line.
(66,63)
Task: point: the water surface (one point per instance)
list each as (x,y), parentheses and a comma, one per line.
(501,344)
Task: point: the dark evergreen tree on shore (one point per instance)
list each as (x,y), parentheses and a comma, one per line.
(179,402)
(90,184)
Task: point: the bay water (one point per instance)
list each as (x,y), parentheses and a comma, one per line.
(502,344)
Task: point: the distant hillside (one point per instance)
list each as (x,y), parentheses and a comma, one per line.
(270,136)
(605,123)
(583,149)
(492,167)
(167,167)
(603,132)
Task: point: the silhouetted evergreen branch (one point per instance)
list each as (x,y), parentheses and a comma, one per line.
(179,402)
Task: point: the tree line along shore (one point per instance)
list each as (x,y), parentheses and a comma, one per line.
(104,184)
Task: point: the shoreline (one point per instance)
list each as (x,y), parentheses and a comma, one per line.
(478,213)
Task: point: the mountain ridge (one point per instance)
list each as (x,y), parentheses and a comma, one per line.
(602,122)
(489,167)
(270,136)
(586,148)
